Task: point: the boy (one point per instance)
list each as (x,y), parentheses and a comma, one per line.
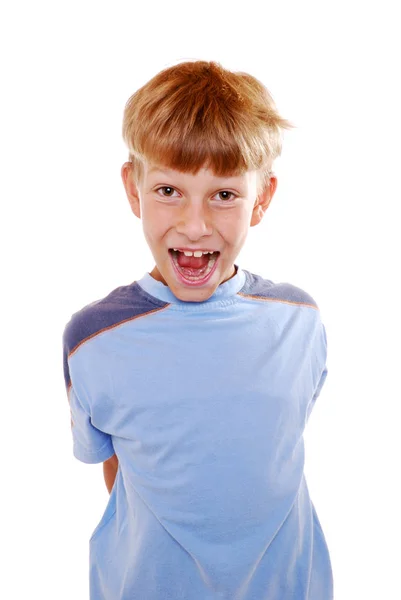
(193,385)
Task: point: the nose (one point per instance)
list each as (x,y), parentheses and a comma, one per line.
(194,222)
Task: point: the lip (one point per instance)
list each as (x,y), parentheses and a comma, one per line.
(188,283)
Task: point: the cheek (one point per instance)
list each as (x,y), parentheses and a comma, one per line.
(234,227)
(154,226)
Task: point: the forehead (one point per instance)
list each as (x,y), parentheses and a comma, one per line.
(203,173)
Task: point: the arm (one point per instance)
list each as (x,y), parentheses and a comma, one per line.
(110,468)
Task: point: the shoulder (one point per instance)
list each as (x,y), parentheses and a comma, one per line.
(121,304)
(259,288)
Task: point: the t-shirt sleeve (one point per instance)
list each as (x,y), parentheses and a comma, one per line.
(90,445)
(322,373)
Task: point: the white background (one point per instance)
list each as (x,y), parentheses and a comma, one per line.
(68,238)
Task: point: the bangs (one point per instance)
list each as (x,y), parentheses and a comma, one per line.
(194,141)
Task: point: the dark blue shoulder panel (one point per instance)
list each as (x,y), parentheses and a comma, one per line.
(258,287)
(122,304)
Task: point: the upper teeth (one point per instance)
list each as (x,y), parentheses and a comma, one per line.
(196,254)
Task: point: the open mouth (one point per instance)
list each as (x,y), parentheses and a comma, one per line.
(194,269)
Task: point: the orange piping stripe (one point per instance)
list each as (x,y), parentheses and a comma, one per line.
(276,300)
(115,325)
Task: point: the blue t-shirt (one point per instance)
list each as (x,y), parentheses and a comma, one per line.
(205,405)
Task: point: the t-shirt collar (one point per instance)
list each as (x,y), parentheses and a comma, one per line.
(162,292)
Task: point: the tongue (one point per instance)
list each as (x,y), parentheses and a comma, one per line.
(191,262)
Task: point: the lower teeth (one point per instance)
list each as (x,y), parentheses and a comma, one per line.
(202,275)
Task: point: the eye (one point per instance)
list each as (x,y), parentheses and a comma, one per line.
(166,187)
(226,199)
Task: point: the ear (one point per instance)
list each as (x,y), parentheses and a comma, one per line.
(131,189)
(263,200)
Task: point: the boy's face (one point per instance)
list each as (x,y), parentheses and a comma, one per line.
(195,213)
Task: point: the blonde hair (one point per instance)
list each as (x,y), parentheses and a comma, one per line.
(197,114)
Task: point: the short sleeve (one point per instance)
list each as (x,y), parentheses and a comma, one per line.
(322,358)
(318,390)
(90,444)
